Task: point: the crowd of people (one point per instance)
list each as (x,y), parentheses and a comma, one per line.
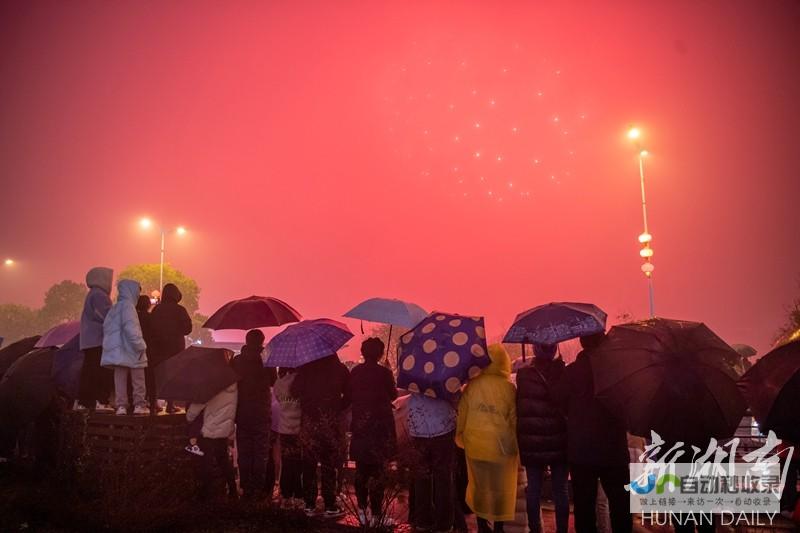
(547,420)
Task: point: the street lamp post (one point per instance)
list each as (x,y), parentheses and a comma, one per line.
(146,223)
(645,238)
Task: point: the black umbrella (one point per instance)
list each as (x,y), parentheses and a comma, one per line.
(670,376)
(14,351)
(772,390)
(67,365)
(195,375)
(252,312)
(26,389)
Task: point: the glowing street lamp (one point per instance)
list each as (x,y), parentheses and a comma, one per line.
(8,262)
(646,252)
(146,224)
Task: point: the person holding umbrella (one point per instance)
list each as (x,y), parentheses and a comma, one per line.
(170,323)
(372,391)
(323,389)
(542,435)
(96,383)
(218,415)
(253,413)
(597,445)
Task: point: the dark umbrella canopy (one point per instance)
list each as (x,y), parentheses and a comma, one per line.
(252,312)
(67,364)
(556,322)
(26,389)
(14,351)
(669,376)
(772,390)
(195,375)
(441,353)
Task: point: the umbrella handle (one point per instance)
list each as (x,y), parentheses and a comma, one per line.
(389,345)
(522,345)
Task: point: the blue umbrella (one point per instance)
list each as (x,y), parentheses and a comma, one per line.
(67,364)
(556,322)
(440,353)
(388,311)
(305,342)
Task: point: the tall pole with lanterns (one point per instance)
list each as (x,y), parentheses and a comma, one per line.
(646,238)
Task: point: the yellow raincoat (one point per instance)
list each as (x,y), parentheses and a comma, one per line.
(487,430)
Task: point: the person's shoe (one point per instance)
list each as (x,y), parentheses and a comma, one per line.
(77,406)
(103,408)
(121,411)
(309,511)
(333,512)
(195,450)
(141,410)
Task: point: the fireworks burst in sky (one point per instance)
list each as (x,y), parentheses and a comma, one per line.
(499,125)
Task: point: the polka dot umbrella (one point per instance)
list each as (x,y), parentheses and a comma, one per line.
(441,353)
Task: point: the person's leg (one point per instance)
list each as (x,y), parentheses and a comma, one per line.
(601,511)
(614,480)
(310,460)
(88,377)
(329,464)
(789,494)
(443,456)
(104,384)
(121,386)
(270,463)
(559,473)
(245,450)
(377,486)
(150,385)
(138,384)
(533,494)
(498,527)
(360,482)
(206,467)
(225,464)
(423,484)
(483,526)
(584,494)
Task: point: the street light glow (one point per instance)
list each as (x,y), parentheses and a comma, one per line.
(8,262)
(646,252)
(634,133)
(644,153)
(180,230)
(645,238)
(145,223)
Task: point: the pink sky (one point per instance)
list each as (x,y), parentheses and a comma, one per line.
(326,152)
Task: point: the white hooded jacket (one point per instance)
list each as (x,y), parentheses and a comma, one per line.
(123,342)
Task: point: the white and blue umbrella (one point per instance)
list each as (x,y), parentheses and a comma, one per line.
(305,342)
(388,311)
(556,322)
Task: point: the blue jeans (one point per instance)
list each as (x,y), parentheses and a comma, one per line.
(558,477)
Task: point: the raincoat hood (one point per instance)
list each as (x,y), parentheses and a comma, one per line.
(171,293)
(501,362)
(129,290)
(100,278)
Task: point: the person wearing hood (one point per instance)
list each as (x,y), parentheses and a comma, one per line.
(95,383)
(253,413)
(597,445)
(169,323)
(542,435)
(143,312)
(124,348)
(322,388)
(487,430)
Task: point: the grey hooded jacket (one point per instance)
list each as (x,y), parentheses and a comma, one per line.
(95,307)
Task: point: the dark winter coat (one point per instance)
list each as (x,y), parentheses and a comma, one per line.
(372,391)
(170,323)
(594,436)
(255,398)
(322,387)
(541,427)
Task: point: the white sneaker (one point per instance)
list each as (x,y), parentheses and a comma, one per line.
(141,410)
(121,411)
(103,407)
(195,450)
